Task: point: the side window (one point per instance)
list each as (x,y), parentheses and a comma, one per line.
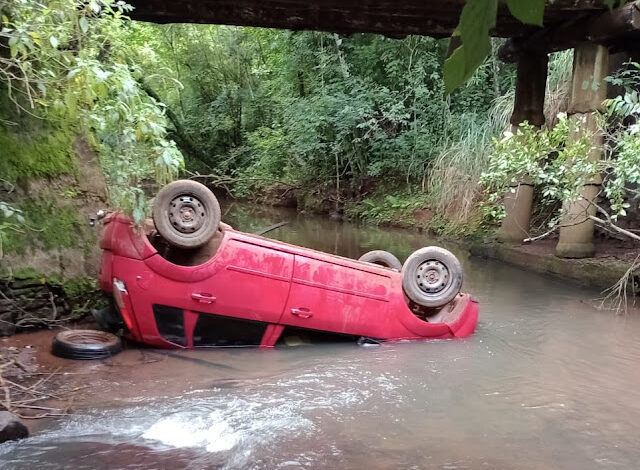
(215,330)
(170,323)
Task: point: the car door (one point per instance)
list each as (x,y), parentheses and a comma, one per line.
(250,281)
(245,282)
(335,295)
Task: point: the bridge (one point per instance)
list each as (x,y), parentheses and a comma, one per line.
(566,22)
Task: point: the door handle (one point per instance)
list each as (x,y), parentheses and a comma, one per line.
(203,298)
(302,312)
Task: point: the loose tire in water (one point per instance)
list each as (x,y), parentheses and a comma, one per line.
(382,258)
(186,214)
(85,344)
(432,277)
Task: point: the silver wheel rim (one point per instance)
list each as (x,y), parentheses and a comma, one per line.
(187,214)
(432,277)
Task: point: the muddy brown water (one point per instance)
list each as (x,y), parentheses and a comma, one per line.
(547,382)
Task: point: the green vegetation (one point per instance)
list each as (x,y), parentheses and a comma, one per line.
(35,155)
(82,294)
(360,125)
(559,164)
(67,71)
(379,129)
(68,66)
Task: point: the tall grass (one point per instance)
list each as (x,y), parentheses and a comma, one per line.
(454,189)
(558,85)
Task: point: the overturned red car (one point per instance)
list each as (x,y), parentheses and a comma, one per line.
(189,280)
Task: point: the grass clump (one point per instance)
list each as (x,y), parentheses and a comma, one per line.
(396,208)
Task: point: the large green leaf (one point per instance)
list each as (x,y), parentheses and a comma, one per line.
(476,20)
(454,70)
(527,11)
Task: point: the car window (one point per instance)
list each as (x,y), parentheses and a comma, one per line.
(217,330)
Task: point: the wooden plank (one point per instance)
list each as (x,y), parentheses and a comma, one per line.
(436,18)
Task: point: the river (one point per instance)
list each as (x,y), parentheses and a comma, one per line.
(547,382)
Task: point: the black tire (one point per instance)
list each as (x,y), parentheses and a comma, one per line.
(186,214)
(85,344)
(382,258)
(432,277)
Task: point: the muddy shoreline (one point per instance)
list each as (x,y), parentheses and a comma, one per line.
(61,387)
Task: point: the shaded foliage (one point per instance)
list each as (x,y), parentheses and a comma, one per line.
(336,116)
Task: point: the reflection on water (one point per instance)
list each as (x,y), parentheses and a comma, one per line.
(322,233)
(547,382)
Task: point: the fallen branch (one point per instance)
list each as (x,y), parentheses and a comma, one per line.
(617,294)
(44,380)
(549,232)
(7,392)
(223,180)
(25,397)
(540,237)
(44,415)
(35,407)
(29,400)
(33,392)
(615,227)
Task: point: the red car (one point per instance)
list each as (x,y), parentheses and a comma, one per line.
(197,282)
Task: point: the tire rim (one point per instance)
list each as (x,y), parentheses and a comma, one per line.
(93,338)
(432,277)
(187,214)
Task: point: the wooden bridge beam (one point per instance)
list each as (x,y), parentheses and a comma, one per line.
(531,83)
(609,28)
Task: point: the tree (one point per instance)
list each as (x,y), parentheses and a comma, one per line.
(63,63)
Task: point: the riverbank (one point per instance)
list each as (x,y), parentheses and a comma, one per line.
(610,263)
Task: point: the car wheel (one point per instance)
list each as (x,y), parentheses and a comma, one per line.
(85,344)
(432,277)
(186,214)
(382,258)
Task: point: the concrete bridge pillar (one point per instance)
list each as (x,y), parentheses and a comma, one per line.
(588,91)
(531,83)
